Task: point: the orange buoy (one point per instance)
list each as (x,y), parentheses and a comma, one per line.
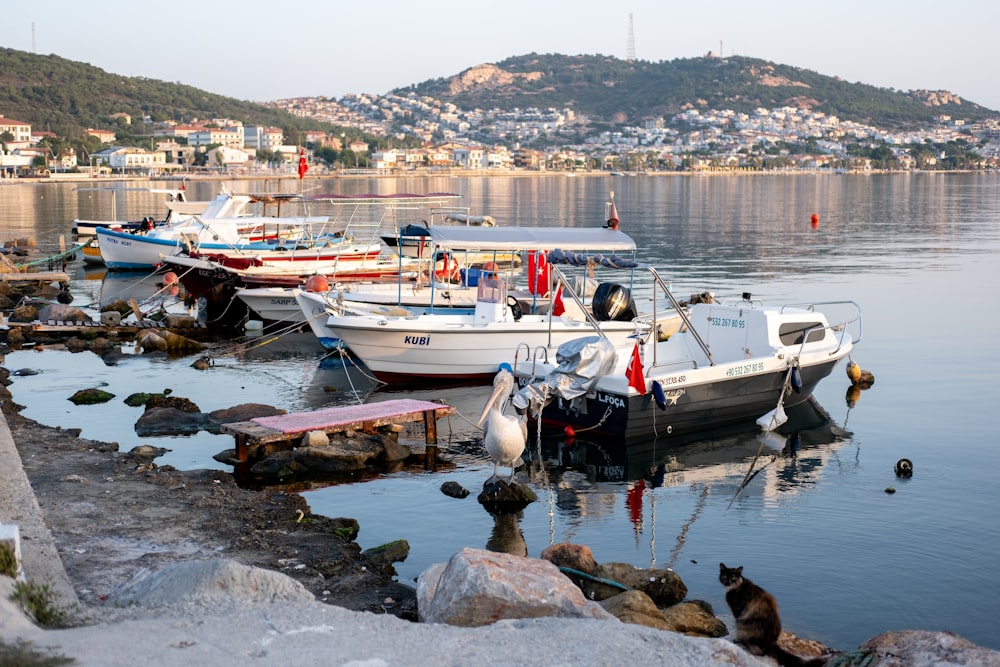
(169,278)
(489,267)
(317,284)
(815,220)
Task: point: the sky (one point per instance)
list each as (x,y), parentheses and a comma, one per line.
(259,51)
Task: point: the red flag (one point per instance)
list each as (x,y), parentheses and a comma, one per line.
(558,307)
(634,371)
(303,166)
(612,215)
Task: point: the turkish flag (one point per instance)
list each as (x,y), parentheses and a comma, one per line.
(303,165)
(558,307)
(634,371)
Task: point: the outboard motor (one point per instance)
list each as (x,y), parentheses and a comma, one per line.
(613,302)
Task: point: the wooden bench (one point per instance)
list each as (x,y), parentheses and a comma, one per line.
(367,418)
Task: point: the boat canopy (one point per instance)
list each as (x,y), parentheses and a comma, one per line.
(446,237)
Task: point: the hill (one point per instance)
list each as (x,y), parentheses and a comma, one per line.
(67,97)
(617,91)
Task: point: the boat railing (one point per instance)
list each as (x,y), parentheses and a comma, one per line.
(658,282)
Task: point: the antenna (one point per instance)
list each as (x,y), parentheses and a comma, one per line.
(33,48)
(630,51)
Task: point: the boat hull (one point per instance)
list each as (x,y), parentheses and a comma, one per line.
(451,347)
(632,417)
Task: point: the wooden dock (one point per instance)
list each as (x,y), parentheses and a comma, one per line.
(368,418)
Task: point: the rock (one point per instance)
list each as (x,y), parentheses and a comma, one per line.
(635,607)
(387,554)
(340,455)
(180,322)
(221,580)
(241,413)
(59,312)
(692,618)
(91,397)
(151,341)
(575,556)
(177,402)
(663,586)
(279,465)
(478,587)
(75,344)
(923,648)
(454,490)
(147,451)
(501,496)
(24,314)
(14,337)
(169,421)
(315,439)
(392,451)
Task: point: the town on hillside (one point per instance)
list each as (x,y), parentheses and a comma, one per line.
(432,135)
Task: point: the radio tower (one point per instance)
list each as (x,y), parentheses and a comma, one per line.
(630,51)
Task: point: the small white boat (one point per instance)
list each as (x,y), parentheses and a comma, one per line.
(731,361)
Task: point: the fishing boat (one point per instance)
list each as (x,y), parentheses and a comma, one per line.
(221,277)
(732,360)
(441,346)
(215,231)
(179,209)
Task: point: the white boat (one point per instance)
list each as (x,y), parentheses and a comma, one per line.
(283,239)
(731,361)
(179,209)
(441,346)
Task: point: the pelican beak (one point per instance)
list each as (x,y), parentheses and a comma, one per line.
(501,389)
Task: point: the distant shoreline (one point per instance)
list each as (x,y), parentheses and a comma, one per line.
(462,173)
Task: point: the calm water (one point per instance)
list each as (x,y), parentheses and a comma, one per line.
(845,559)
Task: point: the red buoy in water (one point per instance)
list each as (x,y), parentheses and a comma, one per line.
(169,278)
(317,284)
(570,433)
(815,220)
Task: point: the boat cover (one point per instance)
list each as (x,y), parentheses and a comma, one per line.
(448,237)
(580,364)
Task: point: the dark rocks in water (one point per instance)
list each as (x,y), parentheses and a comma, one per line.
(25,372)
(64,297)
(241,413)
(387,554)
(501,496)
(91,397)
(454,490)
(169,421)
(178,402)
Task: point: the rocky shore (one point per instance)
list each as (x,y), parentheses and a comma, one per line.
(165,567)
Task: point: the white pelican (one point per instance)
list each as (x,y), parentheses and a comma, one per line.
(503,436)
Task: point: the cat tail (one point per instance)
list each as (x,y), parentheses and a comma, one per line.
(786,659)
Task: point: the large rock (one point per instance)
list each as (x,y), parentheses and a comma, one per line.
(921,648)
(665,587)
(695,619)
(206,582)
(58,312)
(635,607)
(478,587)
(169,421)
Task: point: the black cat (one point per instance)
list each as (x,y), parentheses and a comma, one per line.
(758,623)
